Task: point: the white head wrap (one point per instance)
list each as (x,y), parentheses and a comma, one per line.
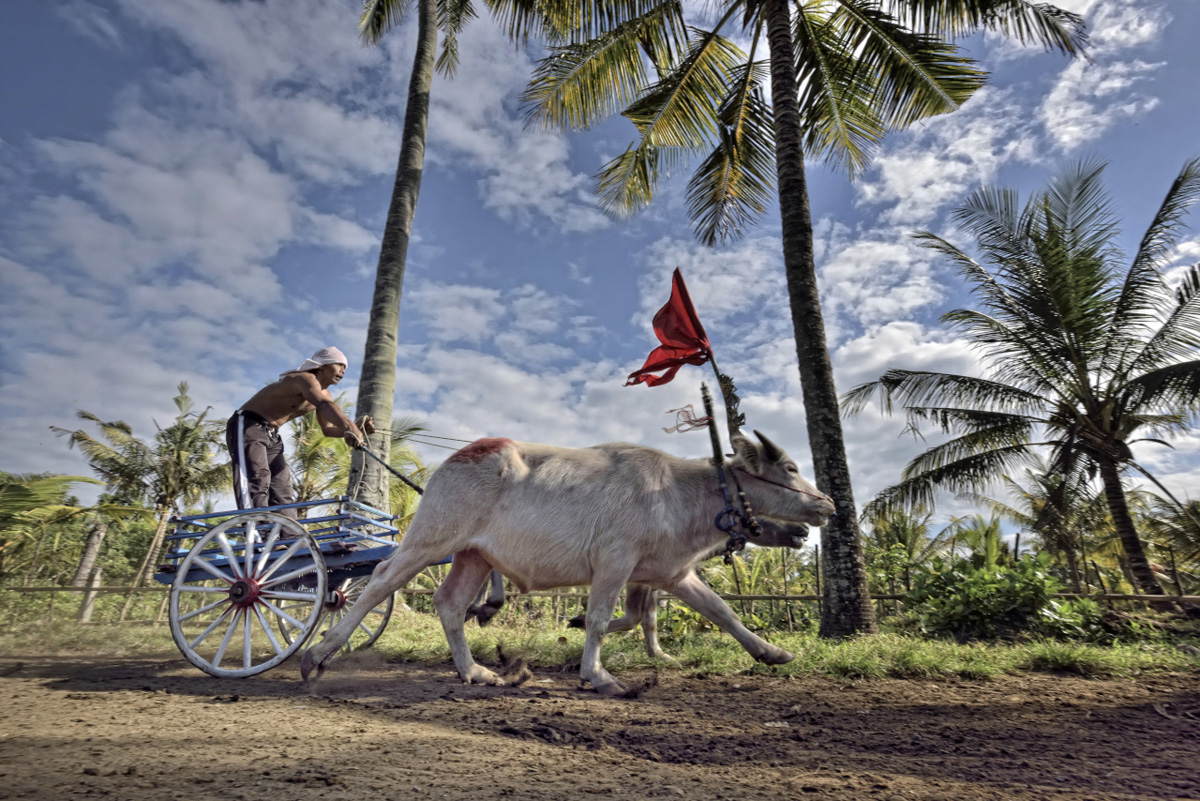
(328,355)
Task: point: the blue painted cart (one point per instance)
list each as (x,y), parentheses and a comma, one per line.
(250,587)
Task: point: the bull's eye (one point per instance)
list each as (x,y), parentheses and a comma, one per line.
(791,468)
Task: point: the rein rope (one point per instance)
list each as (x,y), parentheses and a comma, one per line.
(785,486)
(730,517)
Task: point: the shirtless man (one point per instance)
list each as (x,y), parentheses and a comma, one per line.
(260,472)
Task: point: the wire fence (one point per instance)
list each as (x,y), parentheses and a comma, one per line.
(21,605)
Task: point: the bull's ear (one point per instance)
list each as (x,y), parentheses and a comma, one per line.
(748,451)
(771,451)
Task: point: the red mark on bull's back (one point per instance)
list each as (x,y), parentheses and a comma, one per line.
(479,450)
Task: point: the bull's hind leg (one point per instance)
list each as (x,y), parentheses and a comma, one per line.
(693,592)
(489,600)
(641,605)
(452,599)
(389,576)
(601,599)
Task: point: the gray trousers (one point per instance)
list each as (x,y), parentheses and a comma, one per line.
(260,472)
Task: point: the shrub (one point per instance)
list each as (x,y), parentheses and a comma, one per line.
(969,600)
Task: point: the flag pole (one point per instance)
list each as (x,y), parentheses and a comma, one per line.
(733,418)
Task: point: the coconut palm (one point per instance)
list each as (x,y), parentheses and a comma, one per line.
(910,530)
(178,466)
(1175,527)
(1084,356)
(520,18)
(843,73)
(1063,516)
(30,506)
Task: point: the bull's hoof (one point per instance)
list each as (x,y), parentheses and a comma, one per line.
(486,612)
(776,656)
(613,689)
(308,662)
(665,657)
(478,674)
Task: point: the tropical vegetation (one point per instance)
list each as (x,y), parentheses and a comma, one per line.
(1083,356)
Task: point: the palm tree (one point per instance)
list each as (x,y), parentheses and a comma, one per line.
(843,73)
(1063,516)
(911,530)
(521,17)
(982,537)
(1085,356)
(1176,528)
(29,507)
(178,466)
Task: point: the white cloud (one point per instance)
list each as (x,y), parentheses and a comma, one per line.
(872,282)
(1089,99)
(722,282)
(930,167)
(456,313)
(473,123)
(91,21)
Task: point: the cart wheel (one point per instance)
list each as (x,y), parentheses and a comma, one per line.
(227,599)
(340,599)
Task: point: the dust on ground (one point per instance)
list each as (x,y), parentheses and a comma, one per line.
(128,728)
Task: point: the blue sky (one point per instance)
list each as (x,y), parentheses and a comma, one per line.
(194,191)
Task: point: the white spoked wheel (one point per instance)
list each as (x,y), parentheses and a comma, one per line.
(230,592)
(340,599)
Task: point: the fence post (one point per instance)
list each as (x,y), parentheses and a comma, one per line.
(817,573)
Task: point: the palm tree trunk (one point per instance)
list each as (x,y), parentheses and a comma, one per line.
(91,550)
(1073,568)
(847,609)
(1118,506)
(368,482)
(164,515)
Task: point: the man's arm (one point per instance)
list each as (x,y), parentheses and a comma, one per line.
(333,421)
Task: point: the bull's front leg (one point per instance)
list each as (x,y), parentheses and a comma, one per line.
(451,600)
(602,597)
(693,592)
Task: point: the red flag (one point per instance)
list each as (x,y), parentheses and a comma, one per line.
(681,334)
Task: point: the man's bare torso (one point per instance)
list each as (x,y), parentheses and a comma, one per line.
(282,401)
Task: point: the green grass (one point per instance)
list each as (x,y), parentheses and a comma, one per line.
(418,638)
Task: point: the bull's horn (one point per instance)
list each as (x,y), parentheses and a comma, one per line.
(771,451)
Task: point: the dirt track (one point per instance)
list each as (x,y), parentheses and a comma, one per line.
(128,728)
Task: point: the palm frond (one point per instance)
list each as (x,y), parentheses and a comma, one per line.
(1003,434)
(580,83)
(914,388)
(916,75)
(380,16)
(1177,337)
(1029,23)
(841,126)
(735,185)
(971,474)
(572,21)
(1176,386)
(1162,235)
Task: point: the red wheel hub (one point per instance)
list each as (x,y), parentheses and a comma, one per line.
(337,599)
(244,592)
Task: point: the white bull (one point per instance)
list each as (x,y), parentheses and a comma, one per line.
(641,605)
(550,517)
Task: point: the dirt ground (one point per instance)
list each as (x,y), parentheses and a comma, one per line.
(128,728)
